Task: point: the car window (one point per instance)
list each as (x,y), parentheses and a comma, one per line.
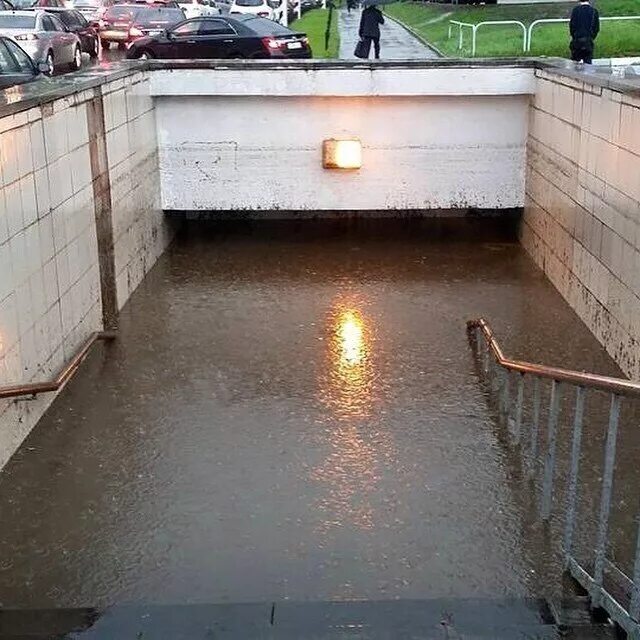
(264,27)
(23,60)
(80,19)
(67,19)
(159,16)
(8,21)
(6,6)
(216,27)
(188,28)
(7,63)
(23,4)
(249,3)
(125,13)
(48,24)
(57,25)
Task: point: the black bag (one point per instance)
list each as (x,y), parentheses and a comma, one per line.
(362,48)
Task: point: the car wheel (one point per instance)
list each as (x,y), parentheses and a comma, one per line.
(77,59)
(93,52)
(121,46)
(50,63)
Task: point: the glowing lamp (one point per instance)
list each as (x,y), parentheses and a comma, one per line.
(342,154)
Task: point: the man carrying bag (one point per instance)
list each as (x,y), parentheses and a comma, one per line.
(369,32)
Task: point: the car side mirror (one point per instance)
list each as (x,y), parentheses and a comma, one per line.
(171,35)
(44,67)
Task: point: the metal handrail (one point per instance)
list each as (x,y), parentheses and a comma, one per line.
(474,30)
(34,388)
(565,20)
(619,386)
(511,413)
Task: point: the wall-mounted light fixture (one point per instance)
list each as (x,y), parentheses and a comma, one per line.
(342,154)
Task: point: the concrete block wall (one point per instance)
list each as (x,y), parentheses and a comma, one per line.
(582,205)
(49,279)
(140,229)
(50,271)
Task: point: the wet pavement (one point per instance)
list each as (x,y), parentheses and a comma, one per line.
(290,415)
(396,43)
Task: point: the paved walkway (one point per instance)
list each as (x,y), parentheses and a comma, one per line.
(396,43)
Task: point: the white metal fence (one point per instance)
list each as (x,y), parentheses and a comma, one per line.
(474,31)
(535,23)
(527,32)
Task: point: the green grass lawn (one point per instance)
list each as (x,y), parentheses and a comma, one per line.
(314,24)
(431,21)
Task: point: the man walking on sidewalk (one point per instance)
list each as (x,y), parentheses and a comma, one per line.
(370,22)
(583,26)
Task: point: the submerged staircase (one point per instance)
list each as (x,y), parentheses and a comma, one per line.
(436,619)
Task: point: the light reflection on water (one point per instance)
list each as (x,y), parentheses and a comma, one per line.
(350,389)
(349,376)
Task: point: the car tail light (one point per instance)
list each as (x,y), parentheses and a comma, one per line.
(272,44)
(263,14)
(26,36)
(135,32)
(305,41)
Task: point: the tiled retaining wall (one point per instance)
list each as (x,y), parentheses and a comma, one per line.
(582,212)
(52,158)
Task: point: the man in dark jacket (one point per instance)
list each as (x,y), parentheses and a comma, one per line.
(370,22)
(583,26)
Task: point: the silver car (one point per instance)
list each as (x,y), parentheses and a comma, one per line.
(92,10)
(43,37)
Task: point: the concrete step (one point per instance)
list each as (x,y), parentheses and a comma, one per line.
(434,619)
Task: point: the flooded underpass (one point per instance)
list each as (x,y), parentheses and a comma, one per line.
(291,414)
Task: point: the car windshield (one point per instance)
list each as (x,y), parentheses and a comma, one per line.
(264,27)
(120,12)
(8,21)
(23,4)
(154,16)
(249,3)
(89,4)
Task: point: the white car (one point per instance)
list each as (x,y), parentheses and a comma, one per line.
(263,8)
(199,8)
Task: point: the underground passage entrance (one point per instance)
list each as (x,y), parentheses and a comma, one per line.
(291,415)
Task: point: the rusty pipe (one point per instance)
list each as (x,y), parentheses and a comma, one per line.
(33,388)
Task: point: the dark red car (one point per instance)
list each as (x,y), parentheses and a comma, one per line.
(125,23)
(75,22)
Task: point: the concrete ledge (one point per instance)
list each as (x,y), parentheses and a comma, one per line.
(513,214)
(28,96)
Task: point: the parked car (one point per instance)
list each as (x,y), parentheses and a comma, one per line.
(33,4)
(92,10)
(198,8)
(16,67)
(43,37)
(260,8)
(125,23)
(171,4)
(224,37)
(75,22)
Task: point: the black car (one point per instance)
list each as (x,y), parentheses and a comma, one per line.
(16,67)
(75,22)
(243,36)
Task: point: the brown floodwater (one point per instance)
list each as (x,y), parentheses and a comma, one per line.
(291,415)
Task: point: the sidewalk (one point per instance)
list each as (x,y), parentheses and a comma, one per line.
(396,43)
